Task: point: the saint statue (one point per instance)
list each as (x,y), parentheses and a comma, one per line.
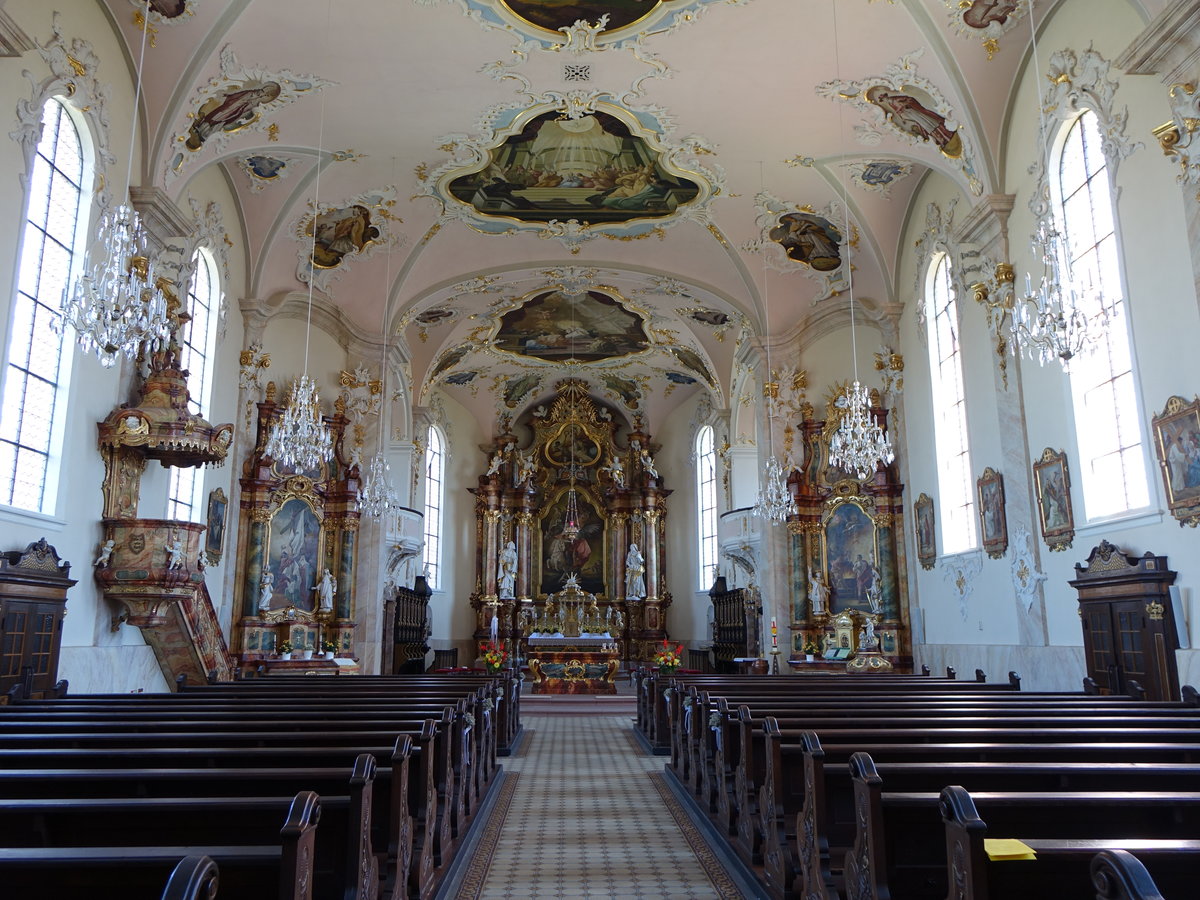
(635,574)
(266,591)
(506,576)
(326,588)
(818,593)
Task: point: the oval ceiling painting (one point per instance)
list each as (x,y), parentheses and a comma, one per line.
(592,169)
(556,14)
(586,327)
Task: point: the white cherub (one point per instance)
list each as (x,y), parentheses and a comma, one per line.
(175,555)
(105,553)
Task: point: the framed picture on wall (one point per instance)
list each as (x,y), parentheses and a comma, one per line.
(993,520)
(1177,444)
(214,539)
(1052,483)
(926,539)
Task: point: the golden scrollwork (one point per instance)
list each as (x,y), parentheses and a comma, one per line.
(1155,611)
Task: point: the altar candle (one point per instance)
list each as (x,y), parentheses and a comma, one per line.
(774,630)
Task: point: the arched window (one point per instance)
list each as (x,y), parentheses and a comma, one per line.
(197,340)
(706,506)
(435,473)
(956,499)
(36,373)
(1103,384)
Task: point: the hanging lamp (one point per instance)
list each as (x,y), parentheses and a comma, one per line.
(774,503)
(117,307)
(1048,323)
(376,498)
(859,444)
(299,438)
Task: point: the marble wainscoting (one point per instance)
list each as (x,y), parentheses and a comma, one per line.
(122,669)
(1057,668)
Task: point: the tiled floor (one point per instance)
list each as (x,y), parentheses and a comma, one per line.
(589,817)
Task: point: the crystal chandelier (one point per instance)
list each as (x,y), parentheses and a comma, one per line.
(376,497)
(299,438)
(117,304)
(1049,324)
(774,503)
(859,444)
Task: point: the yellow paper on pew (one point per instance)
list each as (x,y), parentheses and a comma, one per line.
(999,849)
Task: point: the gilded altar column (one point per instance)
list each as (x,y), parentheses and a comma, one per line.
(491,543)
(620,533)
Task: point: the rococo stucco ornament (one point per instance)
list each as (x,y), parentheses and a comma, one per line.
(238,100)
(986,22)
(913,108)
(345,232)
(1178,137)
(1026,578)
(936,238)
(960,572)
(799,238)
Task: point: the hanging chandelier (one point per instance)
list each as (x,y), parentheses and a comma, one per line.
(1050,323)
(117,304)
(859,444)
(376,498)
(774,503)
(299,438)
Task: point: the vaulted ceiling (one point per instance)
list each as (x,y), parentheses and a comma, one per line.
(483,166)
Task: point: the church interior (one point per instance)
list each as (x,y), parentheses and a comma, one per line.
(411,336)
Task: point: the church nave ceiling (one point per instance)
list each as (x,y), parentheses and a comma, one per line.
(465,146)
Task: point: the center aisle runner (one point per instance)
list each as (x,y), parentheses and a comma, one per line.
(589,817)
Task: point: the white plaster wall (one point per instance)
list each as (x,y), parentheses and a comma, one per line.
(453,620)
(687,618)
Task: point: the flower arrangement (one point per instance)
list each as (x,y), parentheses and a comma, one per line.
(329,646)
(493,657)
(810,647)
(668,659)
(284,647)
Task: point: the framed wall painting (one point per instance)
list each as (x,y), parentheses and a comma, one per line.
(1177,443)
(214,539)
(926,540)
(993,519)
(1052,482)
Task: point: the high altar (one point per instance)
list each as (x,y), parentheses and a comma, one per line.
(571,484)
(570,647)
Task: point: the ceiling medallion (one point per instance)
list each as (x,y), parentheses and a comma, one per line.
(573,168)
(345,232)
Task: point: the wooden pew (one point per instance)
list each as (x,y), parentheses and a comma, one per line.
(99,872)
(1062,865)
(901,841)
(193,878)
(345,865)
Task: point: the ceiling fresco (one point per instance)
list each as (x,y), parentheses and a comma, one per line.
(589,24)
(572,171)
(556,326)
(703,172)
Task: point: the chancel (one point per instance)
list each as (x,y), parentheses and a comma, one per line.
(580,350)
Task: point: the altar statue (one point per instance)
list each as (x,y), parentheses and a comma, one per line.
(506,577)
(266,591)
(818,593)
(635,574)
(326,588)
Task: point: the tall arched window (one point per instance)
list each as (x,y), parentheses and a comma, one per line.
(1103,385)
(435,473)
(197,343)
(956,499)
(706,506)
(37,372)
